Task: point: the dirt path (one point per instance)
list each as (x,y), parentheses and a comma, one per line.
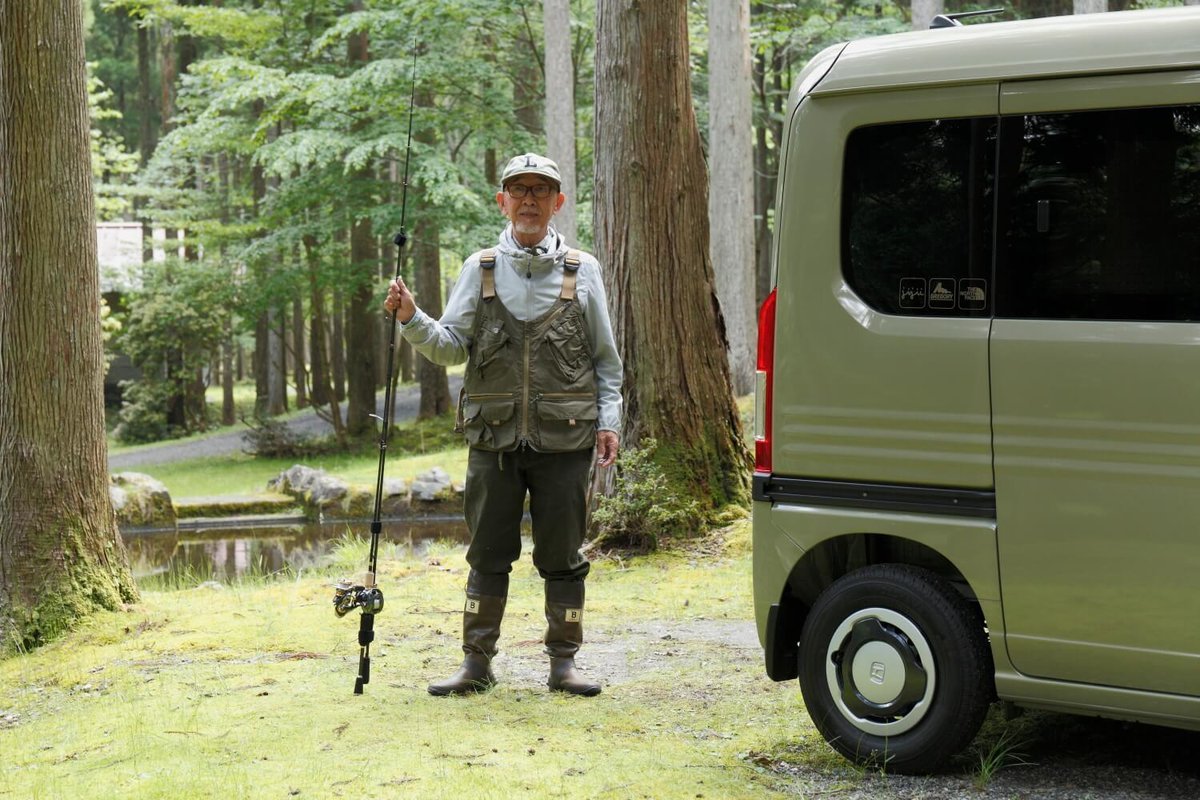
(408,398)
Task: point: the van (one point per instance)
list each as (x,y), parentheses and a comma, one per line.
(977,468)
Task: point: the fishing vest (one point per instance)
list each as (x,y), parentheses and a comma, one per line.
(529,382)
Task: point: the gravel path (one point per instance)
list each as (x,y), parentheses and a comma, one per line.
(408,398)
(1055,756)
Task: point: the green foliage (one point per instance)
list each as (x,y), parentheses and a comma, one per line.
(171,333)
(110,326)
(272,438)
(112,164)
(143,416)
(431,435)
(644,506)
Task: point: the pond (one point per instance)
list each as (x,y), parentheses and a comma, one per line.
(223,554)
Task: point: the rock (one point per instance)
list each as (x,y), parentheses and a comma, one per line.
(326,497)
(433,484)
(433,493)
(141,501)
(296,480)
(327,491)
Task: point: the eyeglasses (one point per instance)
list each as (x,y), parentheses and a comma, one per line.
(541,191)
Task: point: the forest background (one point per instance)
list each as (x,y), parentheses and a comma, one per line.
(269,141)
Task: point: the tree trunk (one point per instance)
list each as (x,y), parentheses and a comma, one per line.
(361,325)
(322,392)
(262,325)
(731,199)
(337,346)
(61,557)
(560,108)
(167,72)
(435,387)
(262,357)
(299,368)
(490,170)
(276,371)
(145,108)
(319,354)
(228,408)
(651,208)
(923,12)
(360,332)
(526,96)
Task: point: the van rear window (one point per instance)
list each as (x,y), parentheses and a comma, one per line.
(917,216)
(1099,215)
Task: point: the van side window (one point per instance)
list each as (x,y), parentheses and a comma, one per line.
(917,216)
(1099,215)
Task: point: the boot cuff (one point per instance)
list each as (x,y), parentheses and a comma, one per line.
(565,593)
(483,584)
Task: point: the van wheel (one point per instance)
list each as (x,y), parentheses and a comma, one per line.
(895,668)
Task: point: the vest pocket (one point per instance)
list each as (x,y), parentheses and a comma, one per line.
(568,346)
(489,345)
(566,423)
(490,424)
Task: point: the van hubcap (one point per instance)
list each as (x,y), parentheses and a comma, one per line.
(880,671)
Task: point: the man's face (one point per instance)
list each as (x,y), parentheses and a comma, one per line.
(530,215)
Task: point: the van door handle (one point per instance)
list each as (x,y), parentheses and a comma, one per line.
(1043,214)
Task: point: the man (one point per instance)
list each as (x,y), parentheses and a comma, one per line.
(542,388)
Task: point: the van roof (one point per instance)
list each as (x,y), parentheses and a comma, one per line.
(1111,42)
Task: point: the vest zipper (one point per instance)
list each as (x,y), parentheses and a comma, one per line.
(525,388)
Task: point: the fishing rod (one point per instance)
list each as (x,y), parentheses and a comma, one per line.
(368,596)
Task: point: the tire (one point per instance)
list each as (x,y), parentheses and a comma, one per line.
(895,668)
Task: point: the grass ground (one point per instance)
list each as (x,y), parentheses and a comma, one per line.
(244,474)
(246,691)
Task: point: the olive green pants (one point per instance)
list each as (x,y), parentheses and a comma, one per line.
(556,483)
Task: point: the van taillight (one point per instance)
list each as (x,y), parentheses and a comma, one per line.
(762,385)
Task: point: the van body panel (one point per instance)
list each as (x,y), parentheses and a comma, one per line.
(931,426)
(1097,444)
(968,544)
(1100,91)
(779,554)
(1102,701)
(1107,43)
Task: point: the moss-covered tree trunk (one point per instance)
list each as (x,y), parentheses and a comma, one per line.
(60,554)
(651,217)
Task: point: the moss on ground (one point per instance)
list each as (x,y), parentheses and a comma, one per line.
(246,691)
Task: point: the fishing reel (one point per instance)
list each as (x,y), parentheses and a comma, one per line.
(348,596)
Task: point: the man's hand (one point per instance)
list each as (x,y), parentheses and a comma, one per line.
(399,297)
(606,447)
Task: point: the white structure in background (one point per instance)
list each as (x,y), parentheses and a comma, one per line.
(119,251)
(119,248)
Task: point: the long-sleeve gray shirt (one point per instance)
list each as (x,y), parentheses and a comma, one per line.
(527,284)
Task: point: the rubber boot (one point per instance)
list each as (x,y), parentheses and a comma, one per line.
(486,597)
(564,634)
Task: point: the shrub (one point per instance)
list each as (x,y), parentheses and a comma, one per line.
(270,438)
(644,505)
